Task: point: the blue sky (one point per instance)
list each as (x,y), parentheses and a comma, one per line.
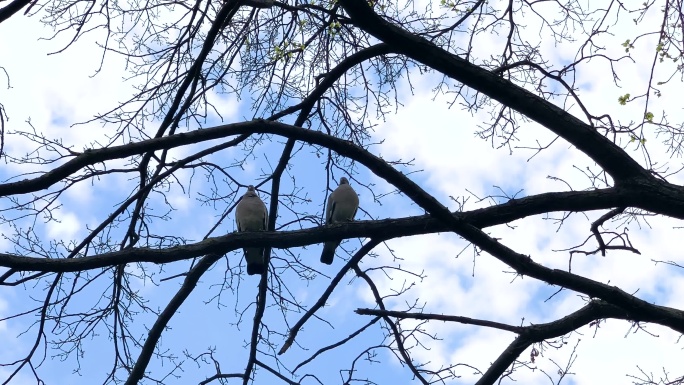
(56,91)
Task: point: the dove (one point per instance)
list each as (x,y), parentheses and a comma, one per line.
(251,215)
(341,207)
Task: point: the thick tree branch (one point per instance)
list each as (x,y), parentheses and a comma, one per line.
(249,58)
(648,194)
(381,229)
(604,152)
(524,265)
(593,311)
(15,6)
(527,335)
(652,195)
(662,197)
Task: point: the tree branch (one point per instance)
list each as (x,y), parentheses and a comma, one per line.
(155,332)
(593,311)
(337,344)
(662,197)
(380,229)
(527,335)
(365,249)
(395,330)
(15,6)
(648,194)
(441,317)
(604,152)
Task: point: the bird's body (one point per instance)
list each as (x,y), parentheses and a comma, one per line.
(342,206)
(251,215)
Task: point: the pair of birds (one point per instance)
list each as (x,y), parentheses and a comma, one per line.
(251,215)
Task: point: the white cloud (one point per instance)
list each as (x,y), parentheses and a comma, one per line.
(455,162)
(54,92)
(65,227)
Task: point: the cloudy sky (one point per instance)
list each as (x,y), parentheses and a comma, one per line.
(55,91)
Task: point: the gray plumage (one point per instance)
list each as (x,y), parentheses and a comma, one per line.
(342,206)
(251,215)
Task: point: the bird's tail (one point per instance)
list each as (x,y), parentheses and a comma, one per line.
(328,253)
(255,260)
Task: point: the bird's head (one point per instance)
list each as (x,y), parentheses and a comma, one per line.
(251,191)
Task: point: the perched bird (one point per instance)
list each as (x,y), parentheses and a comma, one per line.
(341,207)
(251,215)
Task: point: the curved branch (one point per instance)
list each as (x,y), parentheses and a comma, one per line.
(15,6)
(649,194)
(380,229)
(365,249)
(524,265)
(527,335)
(393,327)
(594,310)
(160,324)
(331,77)
(599,222)
(604,152)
